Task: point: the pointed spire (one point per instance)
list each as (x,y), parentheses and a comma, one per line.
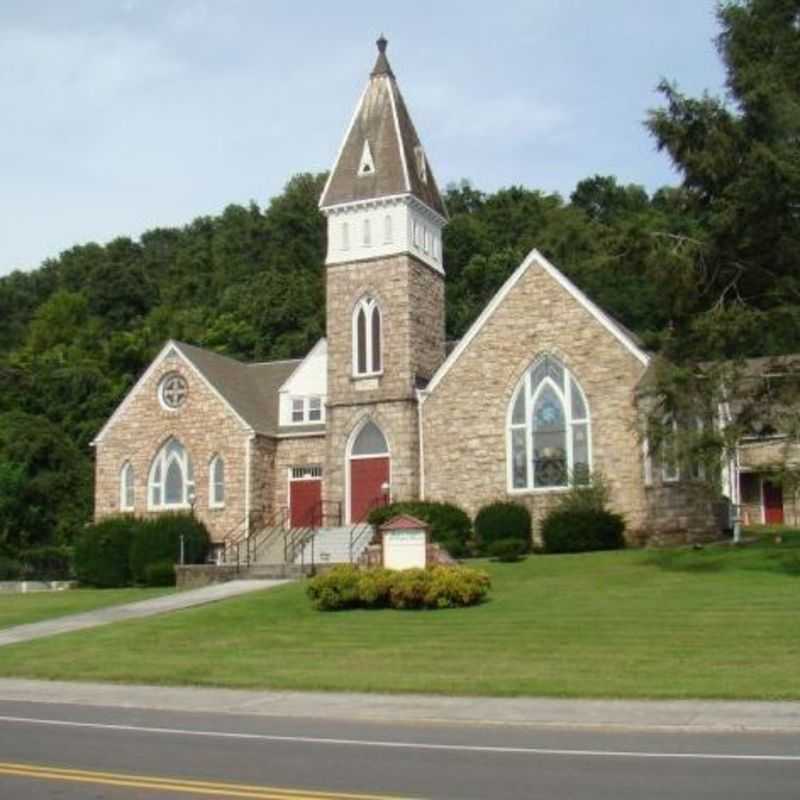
(381,155)
(382,64)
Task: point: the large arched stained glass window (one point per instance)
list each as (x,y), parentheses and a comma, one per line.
(549,429)
(171,483)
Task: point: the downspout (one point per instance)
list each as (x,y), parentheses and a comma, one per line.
(421,395)
(247,477)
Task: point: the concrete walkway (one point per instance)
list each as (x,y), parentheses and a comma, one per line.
(144,608)
(654,715)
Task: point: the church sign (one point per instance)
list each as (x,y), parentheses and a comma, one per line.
(404,542)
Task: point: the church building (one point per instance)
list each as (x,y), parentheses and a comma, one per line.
(540,392)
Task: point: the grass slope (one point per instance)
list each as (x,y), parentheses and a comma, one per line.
(713,623)
(20,609)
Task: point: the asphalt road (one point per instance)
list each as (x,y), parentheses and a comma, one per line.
(70,751)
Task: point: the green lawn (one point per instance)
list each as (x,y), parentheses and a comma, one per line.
(719,622)
(19,609)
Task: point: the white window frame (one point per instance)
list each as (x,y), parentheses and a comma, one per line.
(214,485)
(345,232)
(387,229)
(127,489)
(304,405)
(570,421)
(670,475)
(370,307)
(185,464)
(367,232)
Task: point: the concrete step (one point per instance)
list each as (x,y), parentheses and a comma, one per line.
(332,546)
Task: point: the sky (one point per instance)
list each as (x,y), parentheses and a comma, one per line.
(117,117)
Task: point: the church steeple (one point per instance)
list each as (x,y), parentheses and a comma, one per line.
(382,163)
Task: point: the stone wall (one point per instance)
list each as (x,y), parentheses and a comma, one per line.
(411,298)
(205,427)
(465,417)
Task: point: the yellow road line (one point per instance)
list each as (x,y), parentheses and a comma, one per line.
(179,785)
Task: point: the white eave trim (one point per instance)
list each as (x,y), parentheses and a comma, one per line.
(534,258)
(171,344)
(342,146)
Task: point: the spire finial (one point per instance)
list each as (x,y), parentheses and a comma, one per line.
(382,64)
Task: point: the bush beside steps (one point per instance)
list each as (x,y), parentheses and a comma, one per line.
(437,587)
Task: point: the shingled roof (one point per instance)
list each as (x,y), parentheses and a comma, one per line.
(400,164)
(251,390)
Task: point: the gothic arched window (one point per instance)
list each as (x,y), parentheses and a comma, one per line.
(216,482)
(549,432)
(367,338)
(171,483)
(127,488)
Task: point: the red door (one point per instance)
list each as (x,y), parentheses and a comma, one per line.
(367,479)
(304,502)
(773,504)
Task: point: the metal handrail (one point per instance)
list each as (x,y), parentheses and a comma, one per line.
(234,543)
(362,528)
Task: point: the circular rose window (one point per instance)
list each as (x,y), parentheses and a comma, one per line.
(173,390)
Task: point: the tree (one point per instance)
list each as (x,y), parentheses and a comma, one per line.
(740,163)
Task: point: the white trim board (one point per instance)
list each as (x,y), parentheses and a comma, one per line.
(171,344)
(534,259)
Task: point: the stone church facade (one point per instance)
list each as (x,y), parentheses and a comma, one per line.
(540,392)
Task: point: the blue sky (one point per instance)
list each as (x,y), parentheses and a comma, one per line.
(125,115)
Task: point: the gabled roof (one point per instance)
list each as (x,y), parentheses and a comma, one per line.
(250,391)
(534,260)
(400,165)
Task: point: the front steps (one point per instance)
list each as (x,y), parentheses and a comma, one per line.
(332,546)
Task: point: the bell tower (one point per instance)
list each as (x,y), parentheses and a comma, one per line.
(385,293)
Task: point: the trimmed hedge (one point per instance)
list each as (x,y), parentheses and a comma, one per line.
(572,530)
(10,569)
(438,587)
(160,573)
(102,552)
(503,520)
(450,525)
(508,550)
(49,563)
(159,539)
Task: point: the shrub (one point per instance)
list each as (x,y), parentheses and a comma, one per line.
(507,549)
(449,524)
(336,589)
(159,539)
(50,563)
(160,573)
(374,587)
(438,587)
(451,587)
(568,530)
(410,587)
(10,569)
(503,520)
(102,552)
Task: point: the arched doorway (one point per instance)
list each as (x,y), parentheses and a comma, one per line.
(369,467)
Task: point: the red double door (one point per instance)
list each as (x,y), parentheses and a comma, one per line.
(369,478)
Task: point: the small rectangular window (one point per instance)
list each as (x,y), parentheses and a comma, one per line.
(427,246)
(315,409)
(298,409)
(367,234)
(387,229)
